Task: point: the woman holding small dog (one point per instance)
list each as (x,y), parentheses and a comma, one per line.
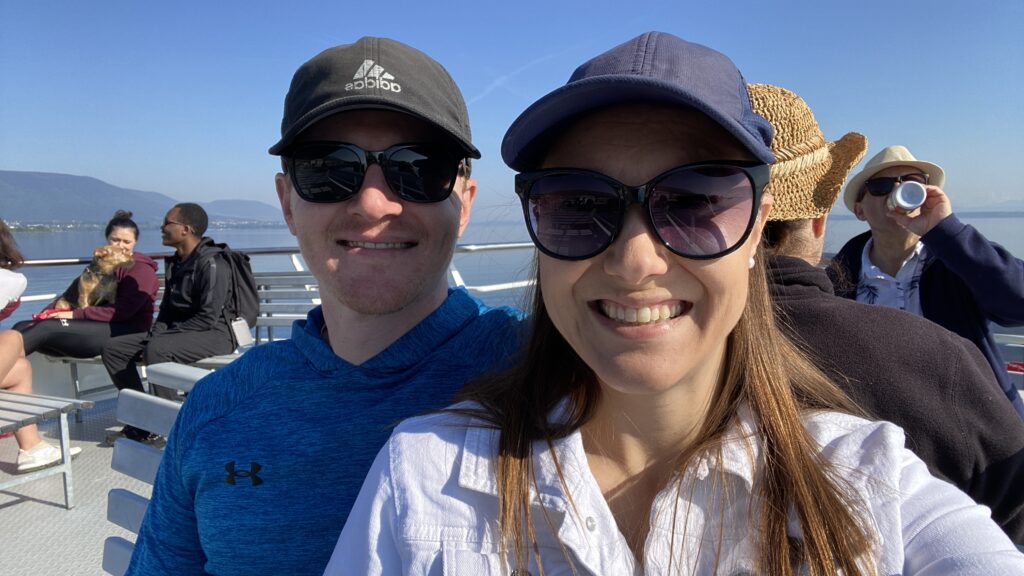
(113,297)
(122,303)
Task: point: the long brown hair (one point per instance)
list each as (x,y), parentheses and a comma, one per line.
(764,371)
(10,256)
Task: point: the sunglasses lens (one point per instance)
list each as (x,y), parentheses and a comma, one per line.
(334,173)
(573,216)
(919,178)
(880,186)
(421,173)
(327,173)
(703,211)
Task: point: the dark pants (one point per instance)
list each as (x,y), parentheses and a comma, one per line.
(121,354)
(74,338)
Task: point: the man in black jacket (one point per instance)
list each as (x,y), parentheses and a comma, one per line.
(899,367)
(192,323)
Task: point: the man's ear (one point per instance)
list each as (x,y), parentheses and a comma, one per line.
(284,196)
(858,211)
(818,226)
(467,196)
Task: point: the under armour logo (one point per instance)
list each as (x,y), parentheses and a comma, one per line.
(250,473)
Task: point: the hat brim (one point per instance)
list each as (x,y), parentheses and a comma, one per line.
(522,145)
(810,190)
(364,103)
(936,176)
(846,153)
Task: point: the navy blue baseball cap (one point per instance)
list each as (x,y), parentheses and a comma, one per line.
(653,67)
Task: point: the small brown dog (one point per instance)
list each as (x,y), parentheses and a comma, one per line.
(98,282)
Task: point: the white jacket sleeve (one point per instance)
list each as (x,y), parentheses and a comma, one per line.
(368,544)
(945,532)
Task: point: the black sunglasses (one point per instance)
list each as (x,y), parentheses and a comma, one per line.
(699,211)
(334,171)
(883,185)
(169,222)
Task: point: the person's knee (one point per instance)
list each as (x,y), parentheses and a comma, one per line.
(19,378)
(117,351)
(110,353)
(11,340)
(23,371)
(158,350)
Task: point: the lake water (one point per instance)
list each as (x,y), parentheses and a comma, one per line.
(476,269)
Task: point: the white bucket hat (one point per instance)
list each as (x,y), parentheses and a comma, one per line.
(890,156)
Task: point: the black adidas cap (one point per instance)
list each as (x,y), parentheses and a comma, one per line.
(374,73)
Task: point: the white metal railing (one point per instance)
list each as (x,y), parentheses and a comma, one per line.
(299,266)
(496,247)
(1010,339)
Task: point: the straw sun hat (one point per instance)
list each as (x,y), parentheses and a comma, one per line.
(808,172)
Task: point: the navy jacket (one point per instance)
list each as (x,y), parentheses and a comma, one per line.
(967,282)
(943,395)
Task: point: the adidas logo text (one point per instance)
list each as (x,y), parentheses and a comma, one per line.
(371,75)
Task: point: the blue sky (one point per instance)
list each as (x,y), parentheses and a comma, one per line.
(185,97)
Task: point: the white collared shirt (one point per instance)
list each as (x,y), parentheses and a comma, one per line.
(429,507)
(900,292)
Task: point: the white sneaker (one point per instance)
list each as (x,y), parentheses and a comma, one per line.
(40,456)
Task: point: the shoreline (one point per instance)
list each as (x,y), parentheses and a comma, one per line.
(75,226)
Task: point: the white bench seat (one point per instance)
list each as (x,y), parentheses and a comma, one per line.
(124,507)
(284,298)
(19,410)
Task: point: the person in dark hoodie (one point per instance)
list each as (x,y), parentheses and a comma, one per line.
(191,324)
(83,332)
(896,366)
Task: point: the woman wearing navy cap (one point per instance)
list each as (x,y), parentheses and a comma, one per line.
(658,422)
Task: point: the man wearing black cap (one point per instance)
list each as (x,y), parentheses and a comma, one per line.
(269,453)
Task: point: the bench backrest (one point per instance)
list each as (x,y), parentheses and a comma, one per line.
(284,297)
(124,507)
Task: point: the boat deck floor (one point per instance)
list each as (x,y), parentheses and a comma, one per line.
(38,536)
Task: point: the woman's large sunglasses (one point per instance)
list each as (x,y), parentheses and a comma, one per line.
(334,171)
(883,185)
(697,211)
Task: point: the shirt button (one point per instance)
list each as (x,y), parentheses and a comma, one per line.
(591,523)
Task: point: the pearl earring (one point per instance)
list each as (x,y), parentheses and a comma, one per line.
(750,263)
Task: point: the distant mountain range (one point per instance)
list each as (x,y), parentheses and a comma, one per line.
(61,199)
(48,198)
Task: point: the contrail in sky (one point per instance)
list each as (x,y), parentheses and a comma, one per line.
(505,78)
